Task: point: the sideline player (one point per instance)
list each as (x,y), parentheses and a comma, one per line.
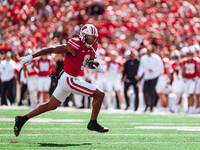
(31,74)
(78,51)
(190,71)
(45,65)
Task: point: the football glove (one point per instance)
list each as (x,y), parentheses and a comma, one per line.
(26,59)
(97,69)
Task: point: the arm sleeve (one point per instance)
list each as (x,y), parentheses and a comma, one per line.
(73,44)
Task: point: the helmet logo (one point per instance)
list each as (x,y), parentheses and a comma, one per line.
(92,30)
(84,27)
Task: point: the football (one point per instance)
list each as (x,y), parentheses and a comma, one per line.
(92,64)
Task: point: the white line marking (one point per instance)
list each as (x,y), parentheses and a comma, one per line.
(96,134)
(125,143)
(170,128)
(177,128)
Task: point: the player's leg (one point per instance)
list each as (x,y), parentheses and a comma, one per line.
(198,103)
(98,97)
(190,103)
(118,88)
(21,120)
(33,99)
(126,87)
(136,96)
(46,87)
(77,86)
(32,88)
(58,96)
(146,88)
(190,91)
(45,96)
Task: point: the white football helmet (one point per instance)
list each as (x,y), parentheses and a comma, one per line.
(88,35)
(175,54)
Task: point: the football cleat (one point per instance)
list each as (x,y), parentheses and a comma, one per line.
(19,122)
(94,126)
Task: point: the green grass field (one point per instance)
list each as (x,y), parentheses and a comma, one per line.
(67,130)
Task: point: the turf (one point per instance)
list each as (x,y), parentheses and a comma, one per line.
(127,131)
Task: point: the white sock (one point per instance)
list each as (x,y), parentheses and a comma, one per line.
(162,109)
(33,99)
(190,109)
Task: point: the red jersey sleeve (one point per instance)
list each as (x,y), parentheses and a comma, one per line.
(74,43)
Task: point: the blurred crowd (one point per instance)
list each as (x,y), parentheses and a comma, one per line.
(167,25)
(124,26)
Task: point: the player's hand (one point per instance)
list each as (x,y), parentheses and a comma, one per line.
(150,70)
(137,78)
(26,59)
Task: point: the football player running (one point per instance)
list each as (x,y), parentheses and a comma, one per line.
(78,51)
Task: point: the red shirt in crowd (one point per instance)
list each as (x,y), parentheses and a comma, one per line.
(190,67)
(166,65)
(30,69)
(44,66)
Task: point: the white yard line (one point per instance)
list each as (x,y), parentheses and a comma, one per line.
(135,128)
(185,143)
(81,121)
(137,135)
(170,128)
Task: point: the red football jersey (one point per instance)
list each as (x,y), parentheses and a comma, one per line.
(190,68)
(166,64)
(74,65)
(174,66)
(44,67)
(30,71)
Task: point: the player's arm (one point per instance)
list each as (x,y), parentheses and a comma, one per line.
(49,50)
(183,70)
(25,74)
(198,68)
(56,49)
(124,72)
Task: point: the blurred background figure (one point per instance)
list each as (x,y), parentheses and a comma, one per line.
(45,66)
(190,69)
(113,77)
(163,87)
(7,72)
(0,75)
(151,66)
(128,78)
(31,75)
(176,80)
(23,84)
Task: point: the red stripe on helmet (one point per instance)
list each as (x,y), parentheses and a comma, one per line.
(92,30)
(84,27)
